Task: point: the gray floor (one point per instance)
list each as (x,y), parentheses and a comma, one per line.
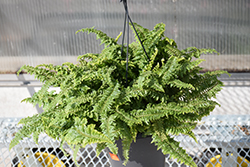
(234,97)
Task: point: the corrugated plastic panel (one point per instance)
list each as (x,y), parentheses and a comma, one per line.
(43,31)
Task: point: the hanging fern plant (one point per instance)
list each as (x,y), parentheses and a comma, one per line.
(163,97)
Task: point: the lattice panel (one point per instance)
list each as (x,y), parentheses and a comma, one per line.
(221,140)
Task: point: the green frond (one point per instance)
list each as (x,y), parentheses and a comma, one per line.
(169,69)
(126,147)
(117,38)
(75,149)
(169,146)
(30,126)
(152,60)
(147,80)
(142,32)
(193,64)
(107,98)
(41,72)
(105,39)
(100,147)
(181,85)
(150,43)
(82,58)
(171,51)
(195,52)
(44,90)
(177,127)
(171,42)
(158,96)
(151,114)
(106,73)
(154,37)
(158,111)
(126,117)
(20,135)
(126,137)
(108,129)
(85,134)
(110,53)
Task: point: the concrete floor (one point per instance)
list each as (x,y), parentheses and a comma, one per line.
(234,97)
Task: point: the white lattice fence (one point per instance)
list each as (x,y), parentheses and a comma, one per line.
(46,153)
(222,141)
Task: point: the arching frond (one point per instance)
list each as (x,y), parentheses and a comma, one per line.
(105,39)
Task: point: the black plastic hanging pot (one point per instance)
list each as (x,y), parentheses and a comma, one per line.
(142,153)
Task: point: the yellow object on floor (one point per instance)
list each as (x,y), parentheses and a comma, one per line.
(217,162)
(47,160)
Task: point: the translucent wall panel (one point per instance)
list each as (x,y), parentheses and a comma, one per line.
(43,31)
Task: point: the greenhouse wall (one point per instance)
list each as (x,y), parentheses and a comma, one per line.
(43,31)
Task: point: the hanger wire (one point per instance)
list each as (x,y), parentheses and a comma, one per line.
(127,19)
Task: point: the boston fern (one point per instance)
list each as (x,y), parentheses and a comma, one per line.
(162,95)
